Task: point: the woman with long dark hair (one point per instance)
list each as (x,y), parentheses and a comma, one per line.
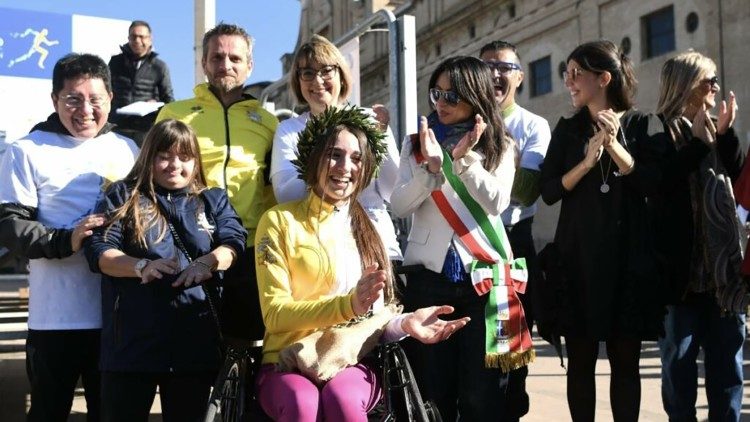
(321,262)
(603,164)
(455,179)
(166,235)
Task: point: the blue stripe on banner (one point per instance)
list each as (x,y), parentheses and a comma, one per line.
(31,42)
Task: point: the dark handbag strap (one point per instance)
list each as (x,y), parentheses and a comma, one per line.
(206,291)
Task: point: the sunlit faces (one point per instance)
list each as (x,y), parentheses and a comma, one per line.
(323,89)
(227,63)
(506,74)
(450,114)
(705,91)
(339,174)
(584,86)
(173,170)
(139,40)
(83,106)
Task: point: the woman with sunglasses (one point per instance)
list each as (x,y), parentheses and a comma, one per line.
(603,164)
(462,144)
(321,78)
(698,236)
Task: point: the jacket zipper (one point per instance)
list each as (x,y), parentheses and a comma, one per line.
(228,143)
(116,319)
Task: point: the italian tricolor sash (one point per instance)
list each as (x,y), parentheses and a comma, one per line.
(494,271)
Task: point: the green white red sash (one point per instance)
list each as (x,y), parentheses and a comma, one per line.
(494,271)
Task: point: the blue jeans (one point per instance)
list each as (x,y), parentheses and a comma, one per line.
(689,327)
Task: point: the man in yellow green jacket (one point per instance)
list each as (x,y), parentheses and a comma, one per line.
(235,135)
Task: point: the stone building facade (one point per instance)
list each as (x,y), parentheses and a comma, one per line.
(546,31)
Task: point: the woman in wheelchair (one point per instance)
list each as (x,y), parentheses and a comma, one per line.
(321,263)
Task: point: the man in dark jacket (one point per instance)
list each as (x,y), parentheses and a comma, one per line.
(138,75)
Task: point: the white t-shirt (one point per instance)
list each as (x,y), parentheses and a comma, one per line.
(63,178)
(532,135)
(287,186)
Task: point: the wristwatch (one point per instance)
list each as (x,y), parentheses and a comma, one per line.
(140,265)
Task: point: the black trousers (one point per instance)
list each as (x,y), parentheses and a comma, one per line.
(240,306)
(128,396)
(452,373)
(522,243)
(55,360)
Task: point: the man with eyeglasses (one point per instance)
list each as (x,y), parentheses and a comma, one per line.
(52,179)
(532,135)
(235,135)
(138,75)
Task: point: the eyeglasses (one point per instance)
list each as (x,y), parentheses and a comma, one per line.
(450,97)
(714,81)
(326,72)
(503,67)
(572,75)
(74,101)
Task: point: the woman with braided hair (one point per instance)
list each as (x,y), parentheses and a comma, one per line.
(320,262)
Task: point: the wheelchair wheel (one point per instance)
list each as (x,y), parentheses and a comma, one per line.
(232,405)
(433,414)
(228,396)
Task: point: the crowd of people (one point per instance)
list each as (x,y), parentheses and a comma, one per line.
(228,224)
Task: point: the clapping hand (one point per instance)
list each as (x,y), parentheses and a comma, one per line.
(425,325)
(727,113)
(594,149)
(470,139)
(609,123)
(368,289)
(431,150)
(382,116)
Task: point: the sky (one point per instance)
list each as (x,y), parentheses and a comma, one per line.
(273,23)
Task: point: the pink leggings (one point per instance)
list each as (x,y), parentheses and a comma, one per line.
(290,396)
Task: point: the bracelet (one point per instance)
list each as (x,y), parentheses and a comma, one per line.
(206,266)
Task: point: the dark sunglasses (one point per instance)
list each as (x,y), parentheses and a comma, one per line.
(503,67)
(450,97)
(712,81)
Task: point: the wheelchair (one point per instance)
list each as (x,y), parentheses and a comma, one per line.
(233,397)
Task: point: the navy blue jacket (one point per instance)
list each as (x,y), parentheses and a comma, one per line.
(156,327)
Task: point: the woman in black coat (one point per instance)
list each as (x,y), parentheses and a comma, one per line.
(698,236)
(602,163)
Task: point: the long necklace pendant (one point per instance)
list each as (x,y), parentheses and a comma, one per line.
(604,188)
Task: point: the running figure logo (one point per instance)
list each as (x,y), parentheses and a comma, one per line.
(40,37)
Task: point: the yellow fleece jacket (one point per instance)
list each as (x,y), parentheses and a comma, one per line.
(295,274)
(235,147)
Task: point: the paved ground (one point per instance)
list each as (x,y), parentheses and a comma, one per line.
(546,382)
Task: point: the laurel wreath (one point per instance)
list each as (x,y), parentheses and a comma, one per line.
(319,127)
